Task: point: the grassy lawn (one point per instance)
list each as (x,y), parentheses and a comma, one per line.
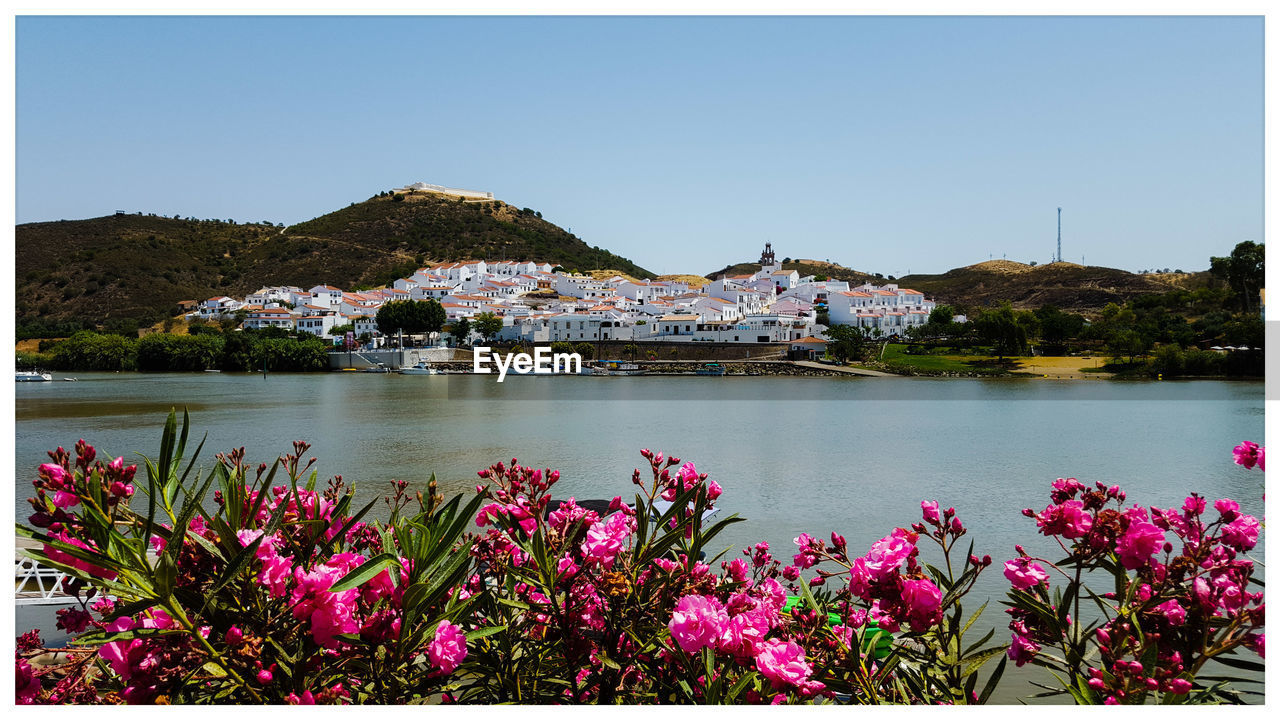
(896,355)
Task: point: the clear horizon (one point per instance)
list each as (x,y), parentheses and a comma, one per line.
(889,145)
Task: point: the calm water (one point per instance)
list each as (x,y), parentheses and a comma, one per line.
(793,454)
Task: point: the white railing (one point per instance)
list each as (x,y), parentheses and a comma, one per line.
(36,584)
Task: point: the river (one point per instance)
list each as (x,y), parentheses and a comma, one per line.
(802,454)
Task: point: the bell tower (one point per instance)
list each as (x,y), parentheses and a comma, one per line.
(766,257)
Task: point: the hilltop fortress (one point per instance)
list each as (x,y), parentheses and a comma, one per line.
(442,190)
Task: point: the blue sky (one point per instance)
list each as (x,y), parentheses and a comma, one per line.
(886,144)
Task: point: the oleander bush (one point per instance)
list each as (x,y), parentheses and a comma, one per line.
(251,584)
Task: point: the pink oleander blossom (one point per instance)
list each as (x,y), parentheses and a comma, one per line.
(1068,519)
(783,662)
(744,633)
(1024,574)
(85,566)
(1022,649)
(923,602)
(27,685)
(129,656)
(697,622)
(570,513)
(1241,533)
(330,613)
(448,648)
(1173,612)
(605,539)
(1248,454)
(929,509)
(1138,543)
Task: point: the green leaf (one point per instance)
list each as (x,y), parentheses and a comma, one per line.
(237,564)
(166,574)
(215,669)
(365,572)
(486,632)
(992,682)
(1240,663)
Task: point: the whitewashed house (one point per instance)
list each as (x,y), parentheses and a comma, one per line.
(326,295)
(268,317)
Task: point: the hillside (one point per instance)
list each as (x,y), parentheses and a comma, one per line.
(1078,288)
(804,267)
(137,267)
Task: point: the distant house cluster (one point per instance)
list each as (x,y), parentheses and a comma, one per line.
(539,305)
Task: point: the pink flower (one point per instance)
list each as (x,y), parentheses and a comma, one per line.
(448,648)
(330,613)
(1138,543)
(55,476)
(1241,533)
(697,622)
(1227,507)
(923,601)
(1258,641)
(1179,686)
(65,499)
(737,570)
(1022,649)
(888,553)
(1068,519)
(1024,574)
(605,538)
(743,633)
(1193,505)
(85,566)
(1248,454)
(929,508)
(783,663)
(27,685)
(1173,612)
(129,656)
(569,513)
(773,594)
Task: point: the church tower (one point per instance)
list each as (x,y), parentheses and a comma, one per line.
(766,257)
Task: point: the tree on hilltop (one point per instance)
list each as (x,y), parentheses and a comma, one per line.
(1243,270)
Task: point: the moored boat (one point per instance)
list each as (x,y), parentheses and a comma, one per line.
(32,376)
(711,369)
(617,367)
(421,368)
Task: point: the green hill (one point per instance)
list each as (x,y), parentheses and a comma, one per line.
(804,267)
(138,267)
(1077,288)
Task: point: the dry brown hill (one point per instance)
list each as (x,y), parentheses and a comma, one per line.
(1078,288)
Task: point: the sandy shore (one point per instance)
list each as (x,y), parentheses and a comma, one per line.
(1064,368)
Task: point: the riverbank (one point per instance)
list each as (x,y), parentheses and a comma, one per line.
(752,368)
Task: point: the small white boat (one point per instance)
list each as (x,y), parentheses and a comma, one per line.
(379,368)
(616,367)
(421,368)
(33,376)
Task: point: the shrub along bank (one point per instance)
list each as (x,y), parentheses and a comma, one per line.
(237,350)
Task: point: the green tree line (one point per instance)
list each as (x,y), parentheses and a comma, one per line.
(244,350)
